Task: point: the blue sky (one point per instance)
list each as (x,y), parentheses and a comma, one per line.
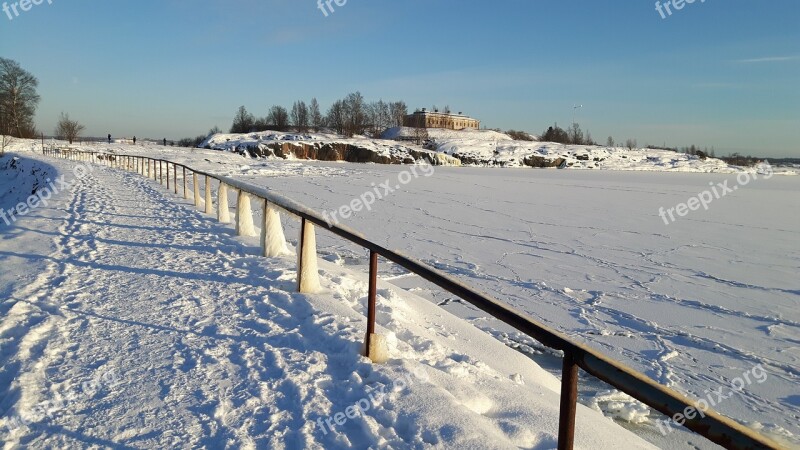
(717,73)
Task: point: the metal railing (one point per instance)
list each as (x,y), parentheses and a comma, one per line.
(709,424)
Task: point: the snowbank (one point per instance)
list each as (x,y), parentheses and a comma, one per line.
(467,147)
(482,152)
(19,179)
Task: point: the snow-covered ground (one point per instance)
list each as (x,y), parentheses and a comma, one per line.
(130,320)
(693,304)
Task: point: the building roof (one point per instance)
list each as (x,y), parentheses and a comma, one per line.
(424,111)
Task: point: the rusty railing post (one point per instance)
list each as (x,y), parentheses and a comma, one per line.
(175,176)
(569,403)
(185,194)
(167,175)
(373,294)
(264,217)
(300,246)
(160,172)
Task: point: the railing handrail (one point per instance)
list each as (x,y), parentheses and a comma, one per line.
(707,423)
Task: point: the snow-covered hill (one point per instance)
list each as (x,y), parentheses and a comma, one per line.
(325,147)
(465,147)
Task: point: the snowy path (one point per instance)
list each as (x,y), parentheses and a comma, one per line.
(136,322)
(130,290)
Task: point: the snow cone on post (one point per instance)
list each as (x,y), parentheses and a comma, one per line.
(223,211)
(307,273)
(273,240)
(244,216)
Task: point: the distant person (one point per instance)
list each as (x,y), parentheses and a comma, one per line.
(134,140)
(109,138)
(165,142)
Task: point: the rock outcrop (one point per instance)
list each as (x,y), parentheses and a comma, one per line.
(541,162)
(336,151)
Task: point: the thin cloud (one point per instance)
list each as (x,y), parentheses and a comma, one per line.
(769,59)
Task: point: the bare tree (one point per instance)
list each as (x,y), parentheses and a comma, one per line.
(610,142)
(18,100)
(300,116)
(631,144)
(337,116)
(5,123)
(279,117)
(576,135)
(67,129)
(379,117)
(243,121)
(420,129)
(355,114)
(398,111)
(384,116)
(315,117)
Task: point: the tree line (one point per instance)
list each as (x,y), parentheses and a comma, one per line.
(349,116)
(574,135)
(690,150)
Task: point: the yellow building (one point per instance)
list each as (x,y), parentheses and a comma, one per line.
(427,119)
